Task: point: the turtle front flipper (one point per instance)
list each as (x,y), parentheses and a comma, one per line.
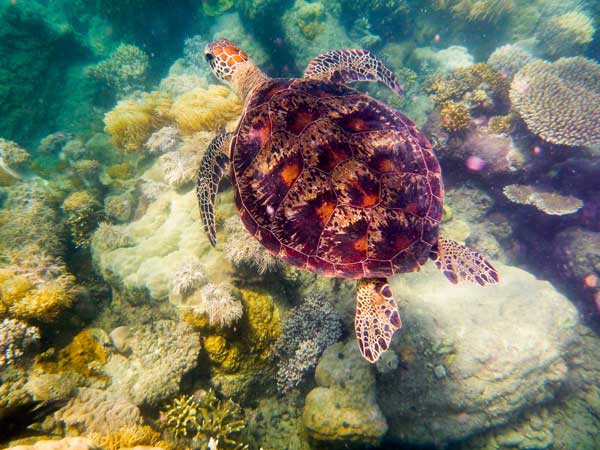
(344,66)
(212,168)
(460,263)
(376,317)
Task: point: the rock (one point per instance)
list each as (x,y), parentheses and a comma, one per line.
(343,406)
(68,443)
(504,348)
(576,255)
(160,354)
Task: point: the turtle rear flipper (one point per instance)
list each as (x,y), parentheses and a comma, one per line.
(212,168)
(345,66)
(376,318)
(460,263)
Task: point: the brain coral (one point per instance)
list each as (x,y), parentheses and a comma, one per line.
(560,101)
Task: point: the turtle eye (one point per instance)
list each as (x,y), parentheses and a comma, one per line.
(209,57)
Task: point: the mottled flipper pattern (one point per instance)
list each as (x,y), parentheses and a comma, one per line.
(344,66)
(460,263)
(212,168)
(376,318)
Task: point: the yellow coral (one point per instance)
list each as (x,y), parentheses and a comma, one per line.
(78,201)
(130,436)
(45,302)
(206,109)
(121,171)
(132,121)
(454,116)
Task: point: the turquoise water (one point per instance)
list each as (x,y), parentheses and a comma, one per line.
(122,326)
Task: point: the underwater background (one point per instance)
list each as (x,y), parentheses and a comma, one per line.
(122,327)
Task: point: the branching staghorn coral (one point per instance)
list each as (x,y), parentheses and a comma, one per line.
(548,202)
(125,69)
(454,116)
(560,101)
(132,121)
(199,418)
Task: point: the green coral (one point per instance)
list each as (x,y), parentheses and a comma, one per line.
(197,419)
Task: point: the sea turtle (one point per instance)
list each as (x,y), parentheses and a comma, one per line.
(333,181)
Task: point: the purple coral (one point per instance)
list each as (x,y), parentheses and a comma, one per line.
(309,329)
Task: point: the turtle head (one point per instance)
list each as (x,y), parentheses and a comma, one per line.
(224,59)
(232,66)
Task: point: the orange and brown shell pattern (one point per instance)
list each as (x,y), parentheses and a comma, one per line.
(223,57)
(335,182)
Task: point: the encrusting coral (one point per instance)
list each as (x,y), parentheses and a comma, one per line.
(560,101)
(548,202)
(565,35)
(132,121)
(205,109)
(197,419)
(125,69)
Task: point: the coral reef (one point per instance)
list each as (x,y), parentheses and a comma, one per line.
(509,59)
(35,286)
(454,116)
(202,418)
(83,213)
(460,83)
(13,156)
(189,275)
(477,10)
(343,406)
(118,207)
(242,250)
(132,121)
(565,35)
(560,101)
(160,353)
(68,443)
(576,255)
(218,303)
(492,376)
(97,411)
(205,109)
(548,202)
(16,339)
(306,332)
(124,70)
(138,436)
(164,140)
